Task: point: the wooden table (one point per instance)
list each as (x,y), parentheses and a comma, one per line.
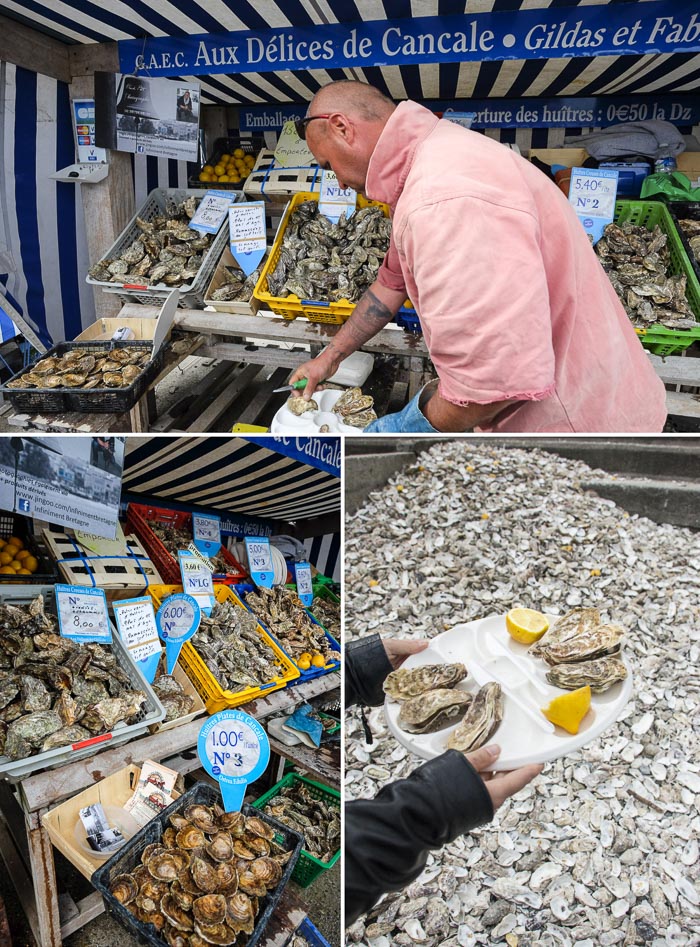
(28,854)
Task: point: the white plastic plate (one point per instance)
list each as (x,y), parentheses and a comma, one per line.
(285,422)
(496,656)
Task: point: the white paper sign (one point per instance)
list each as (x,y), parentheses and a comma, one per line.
(333,200)
(291,151)
(247,234)
(136,622)
(211,212)
(82,614)
(592,194)
(202,558)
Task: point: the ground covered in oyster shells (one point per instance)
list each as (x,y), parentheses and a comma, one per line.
(602,848)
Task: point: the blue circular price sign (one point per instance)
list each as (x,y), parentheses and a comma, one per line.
(177,620)
(235,750)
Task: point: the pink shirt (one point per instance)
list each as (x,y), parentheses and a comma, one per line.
(512,298)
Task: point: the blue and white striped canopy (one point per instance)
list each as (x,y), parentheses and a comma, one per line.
(82,21)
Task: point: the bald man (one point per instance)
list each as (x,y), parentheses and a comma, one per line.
(522,324)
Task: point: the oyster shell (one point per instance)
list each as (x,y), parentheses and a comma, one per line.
(167,865)
(113,380)
(124,888)
(233,822)
(202,817)
(242,850)
(227,877)
(155,848)
(433,711)
(352,401)
(220,934)
(174,914)
(203,875)
(298,406)
(481,720)
(586,646)
(74,379)
(64,736)
(190,837)
(599,674)
(183,897)
(404,684)
(259,827)
(240,915)
(209,909)
(573,623)
(220,847)
(267,870)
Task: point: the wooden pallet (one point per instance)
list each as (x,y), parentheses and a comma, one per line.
(271,182)
(119,576)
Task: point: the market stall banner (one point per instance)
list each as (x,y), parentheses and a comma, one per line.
(614,29)
(43,251)
(598,111)
(322,452)
(72,481)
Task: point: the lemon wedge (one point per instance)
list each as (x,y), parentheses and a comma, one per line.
(569,710)
(526,625)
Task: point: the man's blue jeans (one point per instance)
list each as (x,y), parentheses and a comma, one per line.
(409,421)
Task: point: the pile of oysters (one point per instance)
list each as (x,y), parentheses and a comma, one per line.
(166,252)
(202,882)
(172,696)
(581,650)
(352,407)
(237,287)
(283,613)
(54,691)
(175,539)
(430,701)
(86,368)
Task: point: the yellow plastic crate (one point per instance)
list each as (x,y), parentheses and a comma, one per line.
(211,692)
(289,307)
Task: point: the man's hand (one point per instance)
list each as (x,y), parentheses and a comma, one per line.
(315,371)
(398,649)
(501,785)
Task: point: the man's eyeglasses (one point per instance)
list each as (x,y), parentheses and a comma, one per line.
(300,124)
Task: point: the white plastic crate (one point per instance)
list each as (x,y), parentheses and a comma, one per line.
(151,712)
(191,294)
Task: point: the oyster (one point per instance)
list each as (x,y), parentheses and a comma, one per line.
(105,714)
(242,850)
(174,914)
(220,847)
(573,623)
(113,380)
(249,884)
(150,850)
(32,728)
(599,674)
(258,827)
(124,888)
(209,909)
(590,644)
(404,684)
(220,934)
(34,694)
(190,837)
(227,877)
(240,915)
(203,875)
(74,379)
(64,736)
(297,405)
(266,870)
(167,865)
(481,720)
(233,822)
(171,695)
(352,401)
(433,711)
(184,898)
(202,817)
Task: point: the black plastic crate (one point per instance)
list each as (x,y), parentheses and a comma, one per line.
(85,401)
(222,146)
(685,210)
(129,856)
(14,524)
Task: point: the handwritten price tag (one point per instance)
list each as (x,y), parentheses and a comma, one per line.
(291,151)
(333,200)
(247,234)
(211,212)
(235,750)
(136,622)
(592,194)
(260,560)
(82,614)
(305,590)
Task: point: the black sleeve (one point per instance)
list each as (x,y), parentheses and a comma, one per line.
(366,666)
(388,838)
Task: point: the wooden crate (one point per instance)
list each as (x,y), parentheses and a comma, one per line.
(271,182)
(119,576)
(191,691)
(244,309)
(103,329)
(59,822)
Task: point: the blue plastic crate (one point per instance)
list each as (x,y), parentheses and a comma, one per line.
(243,589)
(409,320)
(311,934)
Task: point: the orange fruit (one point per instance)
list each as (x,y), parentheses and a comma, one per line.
(219,169)
(16,565)
(22,554)
(11,550)
(31,563)
(13,541)
(5,558)
(239,153)
(6,570)
(24,572)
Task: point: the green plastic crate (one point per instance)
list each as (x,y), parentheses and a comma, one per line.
(308,868)
(659,340)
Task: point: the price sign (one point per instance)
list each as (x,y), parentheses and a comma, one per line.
(302,571)
(247,234)
(82,614)
(260,560)
(196,579)
(136,622)
(104,547)
(333,200)
(291,151)
(211,212)
(177,620)
(207,533)
(234,749)
(592,194)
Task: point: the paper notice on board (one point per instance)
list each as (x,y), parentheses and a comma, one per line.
(247,234)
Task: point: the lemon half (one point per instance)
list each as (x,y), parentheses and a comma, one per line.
(526,625)
(569,710)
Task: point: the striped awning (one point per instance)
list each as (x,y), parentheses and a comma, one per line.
(84,21)
(231,475)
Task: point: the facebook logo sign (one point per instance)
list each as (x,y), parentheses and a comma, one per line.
(25,506)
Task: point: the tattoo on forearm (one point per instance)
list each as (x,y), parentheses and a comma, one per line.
(369,317)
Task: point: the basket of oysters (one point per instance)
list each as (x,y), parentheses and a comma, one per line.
(538,685)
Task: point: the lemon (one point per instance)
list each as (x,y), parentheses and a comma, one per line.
(209,168)
(31,563)
(5,558)
(14,541)
(303,664)
(318,661)
(239,153)
(16,565)
(526,625)
(6,570)
(569,710)
(219,169)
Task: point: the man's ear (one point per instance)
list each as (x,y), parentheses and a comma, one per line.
(342,126)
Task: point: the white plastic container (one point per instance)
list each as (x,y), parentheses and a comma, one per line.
(522,738)
(354,370)
(311,422)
